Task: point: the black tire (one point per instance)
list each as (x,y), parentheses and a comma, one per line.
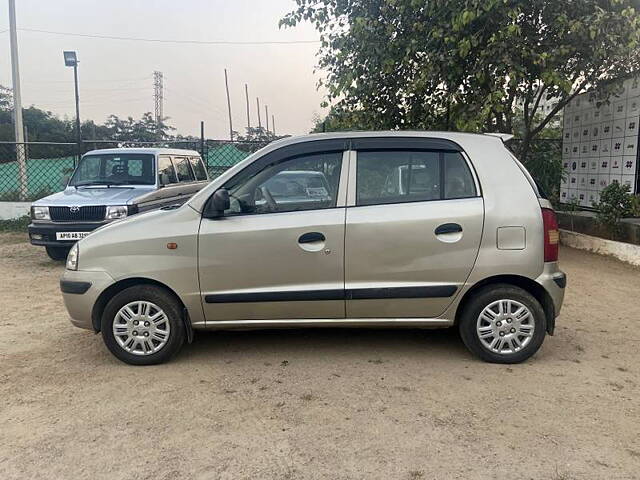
(485,297)
(160,297)
(59,254)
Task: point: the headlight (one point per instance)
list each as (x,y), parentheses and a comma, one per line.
(115,212)
(72,258)
(40,213)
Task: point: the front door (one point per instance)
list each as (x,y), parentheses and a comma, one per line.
(278,252)
(412,233)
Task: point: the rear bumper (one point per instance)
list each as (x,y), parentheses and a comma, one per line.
(554,282)
(44,234)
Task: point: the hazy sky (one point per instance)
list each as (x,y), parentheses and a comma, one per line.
(116,75)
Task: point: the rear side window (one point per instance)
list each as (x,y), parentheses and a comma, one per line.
(165,166)
(411,176)
(198,168)
(458,181)
(183,169)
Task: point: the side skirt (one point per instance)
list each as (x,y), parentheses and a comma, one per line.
(327,323)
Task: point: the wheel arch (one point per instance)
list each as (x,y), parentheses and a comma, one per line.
(531,286)
(109,292)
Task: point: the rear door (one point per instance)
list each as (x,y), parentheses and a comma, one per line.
(413,228)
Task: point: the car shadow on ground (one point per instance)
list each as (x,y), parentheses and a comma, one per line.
(323,342)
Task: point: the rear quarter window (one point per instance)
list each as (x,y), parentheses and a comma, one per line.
(183,169)
(198,168)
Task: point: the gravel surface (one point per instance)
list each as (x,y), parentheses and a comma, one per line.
(336,404)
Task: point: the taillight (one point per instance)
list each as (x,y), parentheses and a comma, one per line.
(551,235)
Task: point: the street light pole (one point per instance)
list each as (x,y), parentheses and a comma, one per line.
(71,60)
(17,104)
(78,134)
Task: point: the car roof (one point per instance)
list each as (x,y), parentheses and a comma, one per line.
(460,137)
(154,151)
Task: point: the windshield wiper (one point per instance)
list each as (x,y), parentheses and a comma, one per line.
(108,183)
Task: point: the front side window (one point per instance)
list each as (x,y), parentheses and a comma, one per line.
(183,169)
(307,182)
(114,169)
(411,176)
(198,168)
(165,166)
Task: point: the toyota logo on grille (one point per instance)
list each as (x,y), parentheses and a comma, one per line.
(74,209)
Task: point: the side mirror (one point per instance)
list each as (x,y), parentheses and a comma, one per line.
(217,204)
(65,180)
(164,180)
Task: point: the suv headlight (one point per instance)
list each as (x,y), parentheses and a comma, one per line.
(72,258)
(116,211)
(40,213)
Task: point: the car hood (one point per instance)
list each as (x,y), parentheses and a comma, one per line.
(94,196)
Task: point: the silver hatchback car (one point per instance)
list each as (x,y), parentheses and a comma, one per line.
(375,229)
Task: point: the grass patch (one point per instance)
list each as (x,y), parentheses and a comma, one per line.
(15,225)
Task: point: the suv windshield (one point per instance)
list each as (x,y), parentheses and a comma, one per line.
(115,169)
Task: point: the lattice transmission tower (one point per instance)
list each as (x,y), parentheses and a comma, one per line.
(158,96)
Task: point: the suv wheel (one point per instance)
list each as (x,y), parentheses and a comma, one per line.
(59,254)
(503,324)
(142,325)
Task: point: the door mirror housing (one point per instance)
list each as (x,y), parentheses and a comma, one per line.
(164,180)
(65,180)
(217,204)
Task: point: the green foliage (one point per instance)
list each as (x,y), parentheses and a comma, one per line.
(572,206)
(15,225)
(255,134)
(467,64)
(44,126)
(635,206)
(615,203)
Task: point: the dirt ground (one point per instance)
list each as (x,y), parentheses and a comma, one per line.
(338,404)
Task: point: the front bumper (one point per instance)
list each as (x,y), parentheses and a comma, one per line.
(80,305)
(44,234)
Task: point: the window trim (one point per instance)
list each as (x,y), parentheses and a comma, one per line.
(352,188)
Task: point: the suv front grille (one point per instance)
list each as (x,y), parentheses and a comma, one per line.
(82,214)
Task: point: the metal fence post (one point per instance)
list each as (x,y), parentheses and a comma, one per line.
(202,152)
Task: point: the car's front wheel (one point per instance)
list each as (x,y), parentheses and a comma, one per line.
(142,325)
(59,254)
(503,324)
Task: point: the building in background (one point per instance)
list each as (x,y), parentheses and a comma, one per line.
(600,144)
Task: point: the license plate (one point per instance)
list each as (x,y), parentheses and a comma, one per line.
(71,235)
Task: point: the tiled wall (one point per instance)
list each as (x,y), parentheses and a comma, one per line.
(600,144)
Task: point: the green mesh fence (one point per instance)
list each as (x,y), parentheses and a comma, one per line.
(47,165)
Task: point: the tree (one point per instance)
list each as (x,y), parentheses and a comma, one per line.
(256,134)
(466,64)
(45,126)
(6,98)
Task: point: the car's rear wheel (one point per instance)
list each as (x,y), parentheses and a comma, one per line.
(503,324)
(59,254)
(142,325)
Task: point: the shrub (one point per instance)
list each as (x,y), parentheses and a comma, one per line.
(615,203)
(15,225)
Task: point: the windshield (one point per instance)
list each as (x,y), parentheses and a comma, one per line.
(115,169)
